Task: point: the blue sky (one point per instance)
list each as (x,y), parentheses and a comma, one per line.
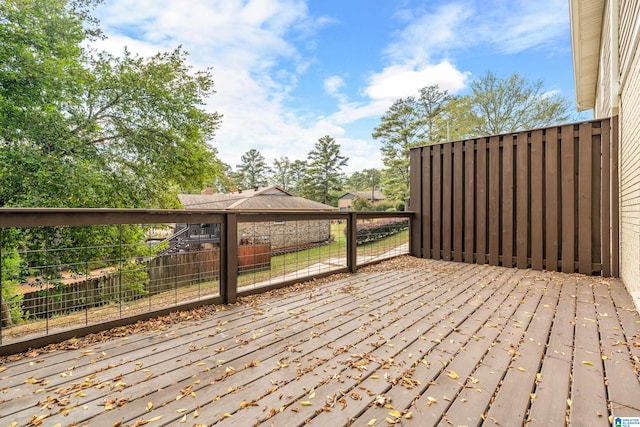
(288,72)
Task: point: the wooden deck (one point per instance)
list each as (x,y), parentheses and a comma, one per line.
(441,343)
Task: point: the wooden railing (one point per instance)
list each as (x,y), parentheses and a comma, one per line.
(131,288)
(544,199)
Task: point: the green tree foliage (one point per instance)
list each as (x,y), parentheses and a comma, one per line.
(323,179)
(361,204)
(508,105)
(429,108)
(297,173)
(222,182)
(93,130)
(367,179)
(85,129)
(10,298)
(288,174)
(409,122)
(282,173)
(253,170)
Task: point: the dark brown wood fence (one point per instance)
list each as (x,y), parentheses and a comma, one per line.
(541,199)
(162,273)
(254,257)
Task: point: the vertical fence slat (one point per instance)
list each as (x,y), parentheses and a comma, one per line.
(494,200)
(596,199)
(458,197)
(481,201)
(507,201)
(436,218)
(537,212)
(606,199)
(568,200)
(522,201)
(427,216)
(584,199)
(447,184)
(415,200)
(551,199)
(469,208)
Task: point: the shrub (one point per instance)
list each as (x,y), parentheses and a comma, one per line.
(378,229)
(10,299)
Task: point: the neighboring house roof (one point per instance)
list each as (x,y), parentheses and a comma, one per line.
(270,198)
(586,29)
(377,195)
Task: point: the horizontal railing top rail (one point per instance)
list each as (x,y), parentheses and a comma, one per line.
(52,217)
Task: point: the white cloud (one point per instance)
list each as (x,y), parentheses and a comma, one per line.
(333,84)
(503,26)
(400,81)
(428,34)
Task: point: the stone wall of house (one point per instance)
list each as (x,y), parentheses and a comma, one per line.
(285,233)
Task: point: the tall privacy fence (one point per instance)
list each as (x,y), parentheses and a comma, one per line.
(541,199)
(69,272)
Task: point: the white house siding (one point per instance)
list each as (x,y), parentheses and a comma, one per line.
(630,146)
(603,89)
(630,13)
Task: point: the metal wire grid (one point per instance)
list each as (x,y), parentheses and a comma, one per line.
(65,279)
(78,276)
(381,238)
(296,250)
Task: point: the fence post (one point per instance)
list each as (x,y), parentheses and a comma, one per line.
(229,258)
(352,242)
(415,202)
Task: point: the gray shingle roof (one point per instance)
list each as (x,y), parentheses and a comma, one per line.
(377,195)
(270,198)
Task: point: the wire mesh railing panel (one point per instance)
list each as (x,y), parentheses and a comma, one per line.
(59,278)
(272,252)
(381,238)
(67,277)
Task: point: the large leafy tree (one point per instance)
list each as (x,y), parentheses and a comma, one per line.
(288,174)
(86,129)
(510,104)
(398,131)
(79,129)
(323,177)
(282,172)
(410,122)
(297,172)
(253,171)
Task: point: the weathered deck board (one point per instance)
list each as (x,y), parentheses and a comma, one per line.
(446,343)
(588,391)
(549,405)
